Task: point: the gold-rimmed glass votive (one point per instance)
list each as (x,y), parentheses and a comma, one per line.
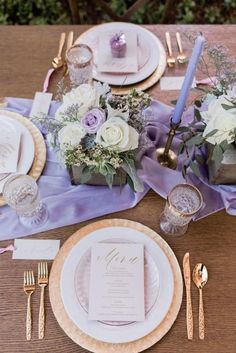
(79,60)
(183,202)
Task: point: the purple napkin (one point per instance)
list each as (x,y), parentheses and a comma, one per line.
(69,204)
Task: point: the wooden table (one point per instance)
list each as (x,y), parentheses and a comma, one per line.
(26,53)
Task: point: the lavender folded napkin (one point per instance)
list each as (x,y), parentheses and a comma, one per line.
(69,204)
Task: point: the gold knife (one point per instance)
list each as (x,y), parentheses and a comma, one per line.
(187,281)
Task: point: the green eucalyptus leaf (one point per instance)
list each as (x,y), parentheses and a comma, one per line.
(217,155)
(180,148)
(195,168)
(197,114)
(211,133)
(183,129)
(225,145)
(184,171)
(129,167)
(109,180)
(196,140)
(228,107)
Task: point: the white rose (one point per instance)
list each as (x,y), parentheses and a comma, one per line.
(71,134)
(216,117)
(116,133)
(85,96)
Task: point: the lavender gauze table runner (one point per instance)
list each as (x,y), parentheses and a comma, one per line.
(69,204)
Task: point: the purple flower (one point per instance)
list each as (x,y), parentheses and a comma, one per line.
(93,119)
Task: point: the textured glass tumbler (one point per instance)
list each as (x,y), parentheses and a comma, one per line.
(79,60)
(183,202)
(22,194)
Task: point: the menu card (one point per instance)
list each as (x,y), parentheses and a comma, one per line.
(127,64)
(117,282)
(9,150)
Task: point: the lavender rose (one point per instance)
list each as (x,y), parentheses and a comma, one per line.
(93,119)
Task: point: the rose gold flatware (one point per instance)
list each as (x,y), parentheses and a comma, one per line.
(187,281)
(181,58)
(58,62)
(200,278)
(29,288)
(42,282)
(170,58)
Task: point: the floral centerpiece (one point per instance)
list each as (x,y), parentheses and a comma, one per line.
(211,136)
(97,134)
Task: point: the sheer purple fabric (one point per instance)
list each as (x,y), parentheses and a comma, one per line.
(69,204)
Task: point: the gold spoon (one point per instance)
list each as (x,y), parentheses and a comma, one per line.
(58,62)
(170,58)
(181,58)
(200,278)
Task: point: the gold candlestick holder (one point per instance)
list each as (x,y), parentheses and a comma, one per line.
(165,156)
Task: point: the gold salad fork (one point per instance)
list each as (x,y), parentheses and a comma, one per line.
(29,288)
(182,58)
(42,282)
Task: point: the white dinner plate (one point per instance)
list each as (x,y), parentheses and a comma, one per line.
(103,331)
(26,150)
(148,52)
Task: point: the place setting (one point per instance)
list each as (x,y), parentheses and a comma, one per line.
(97,146)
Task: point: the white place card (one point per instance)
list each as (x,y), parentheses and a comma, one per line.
(127,64)
(169,83)
(117,282)
(41,104)
(35,249)
(9,150)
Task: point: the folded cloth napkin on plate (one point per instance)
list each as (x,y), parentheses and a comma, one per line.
(68,204)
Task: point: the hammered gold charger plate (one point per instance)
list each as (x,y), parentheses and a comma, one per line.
(73,331)
(39,143)
(147,82)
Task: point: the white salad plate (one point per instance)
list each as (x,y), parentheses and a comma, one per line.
(148,52)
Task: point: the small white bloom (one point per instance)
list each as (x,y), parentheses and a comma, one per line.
(117,134)
(111,113)
(71,135)
(216,117)
(85,96)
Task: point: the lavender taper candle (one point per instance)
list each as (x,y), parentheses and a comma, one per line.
(188,80)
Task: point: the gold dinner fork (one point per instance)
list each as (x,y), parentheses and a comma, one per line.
(42,282)
(170,58)
(29,288)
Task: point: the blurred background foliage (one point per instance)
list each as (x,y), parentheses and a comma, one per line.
(25,12)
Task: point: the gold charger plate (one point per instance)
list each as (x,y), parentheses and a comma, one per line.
(39,143)
(149,81)
(79,336)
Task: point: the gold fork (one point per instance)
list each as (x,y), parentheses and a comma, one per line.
(42,282)
(182,58)
(29,288)
(170,58)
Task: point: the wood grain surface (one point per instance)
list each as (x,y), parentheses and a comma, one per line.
(26,54)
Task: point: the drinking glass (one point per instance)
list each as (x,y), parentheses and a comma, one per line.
(22,194)
(79,60)
(183,202)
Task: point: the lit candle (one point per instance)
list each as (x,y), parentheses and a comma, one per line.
(188,80)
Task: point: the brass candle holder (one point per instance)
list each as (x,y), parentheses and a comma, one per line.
(165,156)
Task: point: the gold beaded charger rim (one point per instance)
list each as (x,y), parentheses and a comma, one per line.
(39,144)
(149,81)
(73,331)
